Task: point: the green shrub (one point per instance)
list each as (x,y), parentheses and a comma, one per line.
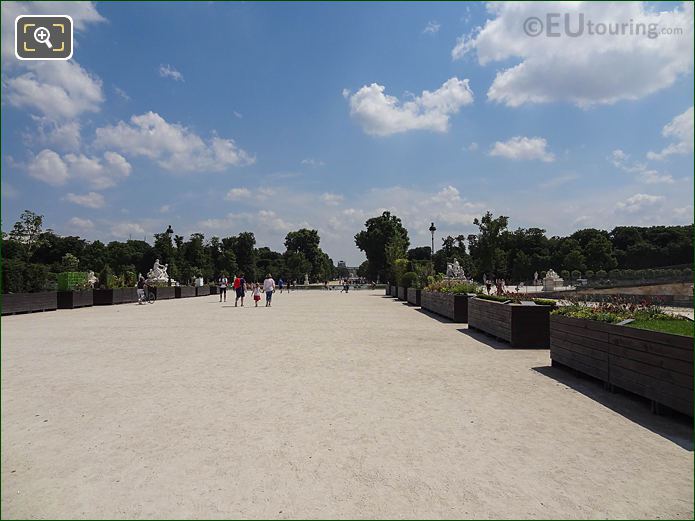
(494,298)
(589,274)
(13,276)
(69,263)
(576,274)
(544,301)
(454,287)
(104,277)
(35,277)
(601,274)
(565,274)
(71,280)
(130,279)
(408,279)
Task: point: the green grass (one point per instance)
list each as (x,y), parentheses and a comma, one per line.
(674,327)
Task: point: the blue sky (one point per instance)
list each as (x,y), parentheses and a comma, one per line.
(225,117)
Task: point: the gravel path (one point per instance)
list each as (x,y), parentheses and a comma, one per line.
(325,405)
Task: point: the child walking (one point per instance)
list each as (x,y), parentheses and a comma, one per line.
(256,293)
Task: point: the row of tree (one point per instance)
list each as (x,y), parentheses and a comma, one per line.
(518,254)
(31,255)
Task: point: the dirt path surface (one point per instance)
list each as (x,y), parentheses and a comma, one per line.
(325,406)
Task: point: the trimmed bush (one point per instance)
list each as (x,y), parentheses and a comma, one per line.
(35,277)
(13,276)
(71,280)
(601,274)
(589,274)
(565,274)
(576,274)
(408,279)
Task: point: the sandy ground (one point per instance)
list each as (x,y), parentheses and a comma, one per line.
(326,405)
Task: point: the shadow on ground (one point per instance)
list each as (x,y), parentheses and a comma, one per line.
(434,316)
(492,341)
(673,426)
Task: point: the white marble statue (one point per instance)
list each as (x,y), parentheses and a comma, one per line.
(92,279)
(454,270)
(306,279)
(158,272)
(552,280)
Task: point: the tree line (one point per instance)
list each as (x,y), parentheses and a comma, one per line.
(519,254)
(33,256)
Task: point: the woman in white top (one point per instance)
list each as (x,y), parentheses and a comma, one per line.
(268,287)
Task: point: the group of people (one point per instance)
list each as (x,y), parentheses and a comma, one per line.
(500,285)
(240,286)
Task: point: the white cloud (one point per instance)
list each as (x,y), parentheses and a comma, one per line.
(523,148)
(97,172)
(123,94)
(76,223)
(237,194)
(432,27)
(312,162)
(639,202)
(383,115)
(173,146)
(584,70)
(165,208)
(47,166)
(90,200)
(680,129)
(473,147)
(64,136)
(621,160)
(331,199)
(555,182)
(238,115)
(167,71)
(59,90)
(126,230)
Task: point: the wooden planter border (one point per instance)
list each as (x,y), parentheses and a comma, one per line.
(655,365)
(75,299)
(522,325)
(164,292)
(402,293)
(202,291)
(414,296)
(453,307)
(184,291)
(29,302)
(108,297)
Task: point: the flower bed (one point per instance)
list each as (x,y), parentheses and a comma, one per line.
(29,302)
(414,296)
(184,291)
(75,299)
(107,297)
(523,324)
(449,305)
(202,291)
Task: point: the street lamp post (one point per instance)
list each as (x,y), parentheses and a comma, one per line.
(432,230)
(169,232)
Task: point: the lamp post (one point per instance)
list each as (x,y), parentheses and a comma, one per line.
(432,230)
(169,232)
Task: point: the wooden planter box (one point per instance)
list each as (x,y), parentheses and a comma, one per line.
(402,293)
(657,366)
(388,291)
(214,290)
(75,299)
(107,297)
(164,292)
(414,296)
(453,307)
(522,325)
(202,291)
(184,291)
(29,302)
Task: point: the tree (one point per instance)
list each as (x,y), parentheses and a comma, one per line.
(420,253)
(486,247)
(372,241)
(574,261)
(599,255)
(70,262)
(28,230)
(363,269)
(306,242)
(395,252)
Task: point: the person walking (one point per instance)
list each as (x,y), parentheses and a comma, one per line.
(281,283)
(256,293)
(240,288)
(141,290)
(222,284)
(269,288)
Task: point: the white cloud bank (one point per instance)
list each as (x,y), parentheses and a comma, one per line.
(171,145)
(584,70)
(680,130)
(382,115)
(89,200)
(167,71)
(523,148)
(98,172)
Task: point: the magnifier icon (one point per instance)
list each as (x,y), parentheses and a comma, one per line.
(43,35)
